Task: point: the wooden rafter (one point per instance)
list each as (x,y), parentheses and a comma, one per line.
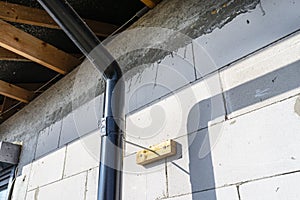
(15,92)
(34,49)
(7,104)
(10,56)
(33,16)
(150,3)
(6,55)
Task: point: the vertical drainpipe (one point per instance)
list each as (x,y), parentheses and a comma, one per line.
(111,159)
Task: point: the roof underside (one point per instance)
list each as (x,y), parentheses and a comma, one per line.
(35,78)
(18,71)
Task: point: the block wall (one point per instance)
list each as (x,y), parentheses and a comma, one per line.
(229,97)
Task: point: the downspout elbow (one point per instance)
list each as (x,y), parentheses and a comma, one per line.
(113,71)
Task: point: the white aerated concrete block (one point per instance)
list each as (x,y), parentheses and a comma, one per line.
(259,144)
(174,71)
(269,76)
(204,64)
(83,154)
(251,31)
(47,169)
(149,83)
(140,88)
(21,183)
(85,118)
(193,108)
(274,57)
(281,187)
(187,54)
(48,139)
(70,188)
(226,193)
(92,184)
(140,182)
(179,171)
(29,143)
(68,131)
(193,166)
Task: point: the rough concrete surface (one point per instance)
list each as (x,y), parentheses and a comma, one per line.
(173,24)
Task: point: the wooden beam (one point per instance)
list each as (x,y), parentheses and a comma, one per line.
(150,3)
(37,17)
(34,49)
(15,92)
(6,55)
(7,104)
(10,56)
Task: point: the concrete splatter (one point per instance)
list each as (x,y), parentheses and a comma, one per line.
(36,194)
(297,106)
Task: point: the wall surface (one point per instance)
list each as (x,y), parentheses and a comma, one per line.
(221,78)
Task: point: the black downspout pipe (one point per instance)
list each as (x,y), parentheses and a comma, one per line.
(111,160)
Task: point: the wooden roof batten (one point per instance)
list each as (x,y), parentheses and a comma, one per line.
(36,50)
(37,17)
(15,92)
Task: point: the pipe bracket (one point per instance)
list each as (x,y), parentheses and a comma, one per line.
(103,131)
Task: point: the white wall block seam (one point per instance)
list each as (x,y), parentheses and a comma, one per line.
(196,192)
(45,185)
(180,136)
(28,180)
(170,94)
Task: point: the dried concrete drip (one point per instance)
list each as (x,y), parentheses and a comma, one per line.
(181,21)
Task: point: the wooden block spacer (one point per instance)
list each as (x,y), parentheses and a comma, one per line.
(159,152)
